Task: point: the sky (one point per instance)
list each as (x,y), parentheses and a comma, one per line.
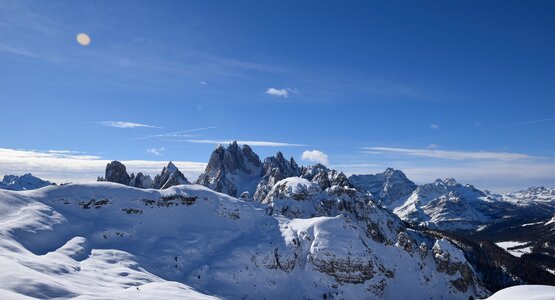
(462,89)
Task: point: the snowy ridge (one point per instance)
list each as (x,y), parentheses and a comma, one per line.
(189,241)
(535,292)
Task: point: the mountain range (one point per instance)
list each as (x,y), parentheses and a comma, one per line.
(251,228)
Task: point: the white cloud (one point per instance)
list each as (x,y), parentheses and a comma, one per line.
(250,143)
(452,155)
(155,151)
(432,146)
(277,92)
(66,166)
(119,124)
(434,126)
(315,156)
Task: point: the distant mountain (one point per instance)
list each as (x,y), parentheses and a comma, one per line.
(23,183)
(532,196)
(448,205)
(170,176)
(387,187)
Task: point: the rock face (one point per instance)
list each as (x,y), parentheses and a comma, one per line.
(116,172)
(232,171)
(141,181)
(23,183)
(387,187)
(324,176)
(170,176)
(367,233)
(274,169)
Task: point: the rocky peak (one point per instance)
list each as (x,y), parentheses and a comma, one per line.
(274,169)
(325,177)
(141,181)
(116,172)
(170,176)
(387,187)
(232,170)
(341,180)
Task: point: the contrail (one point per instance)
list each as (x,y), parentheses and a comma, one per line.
(177,133)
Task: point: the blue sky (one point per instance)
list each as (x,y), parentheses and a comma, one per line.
(435,88)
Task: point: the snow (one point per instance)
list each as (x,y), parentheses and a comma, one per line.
(530,224)
(515,248)
(525,292)
(109,241)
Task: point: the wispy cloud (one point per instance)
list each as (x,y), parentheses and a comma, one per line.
(250,143)
(434,126)
(315,156)
(119,124)
(65,165)
(528,123)
(177,134)
(451,155)
(277,92)
(155,151)
(356,166)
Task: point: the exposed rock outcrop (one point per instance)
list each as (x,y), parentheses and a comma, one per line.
(386,187)
(116,172)
(274,169)
(170,176)
(232,170)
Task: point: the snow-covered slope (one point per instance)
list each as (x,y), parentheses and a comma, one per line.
(525,292)
(22,183)
(111,241)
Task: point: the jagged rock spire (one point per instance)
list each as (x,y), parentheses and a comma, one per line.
(116,172)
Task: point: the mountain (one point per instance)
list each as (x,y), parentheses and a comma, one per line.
(447,204)
(23,183)
(169,177)
(232,170)
(274,169)
(387,187)
(117,172)
(532,196)
(110,241)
